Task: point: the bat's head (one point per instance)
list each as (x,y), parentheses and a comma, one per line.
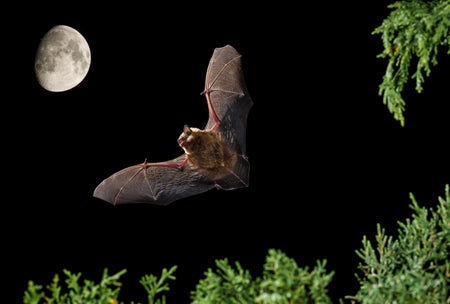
(187,138)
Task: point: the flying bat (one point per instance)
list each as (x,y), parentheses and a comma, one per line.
(214,157)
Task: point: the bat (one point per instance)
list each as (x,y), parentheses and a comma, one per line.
(214,157)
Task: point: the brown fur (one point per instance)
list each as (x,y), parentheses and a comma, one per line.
(207,151)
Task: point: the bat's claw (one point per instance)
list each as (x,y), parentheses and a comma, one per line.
(144,164)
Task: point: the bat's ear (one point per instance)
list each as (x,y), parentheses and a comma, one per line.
(187,130)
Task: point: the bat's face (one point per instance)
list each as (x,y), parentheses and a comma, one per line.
(186,138)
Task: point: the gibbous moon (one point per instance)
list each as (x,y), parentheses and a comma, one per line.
(62,60)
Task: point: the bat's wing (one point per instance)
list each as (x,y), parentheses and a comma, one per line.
(165,182)
(157,183)
(229,97)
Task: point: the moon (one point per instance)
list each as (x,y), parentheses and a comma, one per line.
(62,59)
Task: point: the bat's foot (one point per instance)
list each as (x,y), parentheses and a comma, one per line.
(243,156)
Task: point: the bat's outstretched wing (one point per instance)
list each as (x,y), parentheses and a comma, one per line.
(190,174)
(230,101)
(153,183)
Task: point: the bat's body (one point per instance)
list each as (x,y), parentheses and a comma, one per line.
(207,151)
(213,157)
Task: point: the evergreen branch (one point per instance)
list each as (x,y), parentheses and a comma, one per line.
(282,282)
(154,286)
(413,30)
(414,268)
(33,295)
(86,293)
(226,285)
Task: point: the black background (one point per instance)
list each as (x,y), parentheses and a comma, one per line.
(328,161)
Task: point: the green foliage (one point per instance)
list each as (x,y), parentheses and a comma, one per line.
(105,292)
(226,285)
(89,292)
(282,282)
(412,268)
(415,267)
(413,30)
(154,286)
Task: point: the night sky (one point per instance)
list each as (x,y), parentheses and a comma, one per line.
(328,161)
